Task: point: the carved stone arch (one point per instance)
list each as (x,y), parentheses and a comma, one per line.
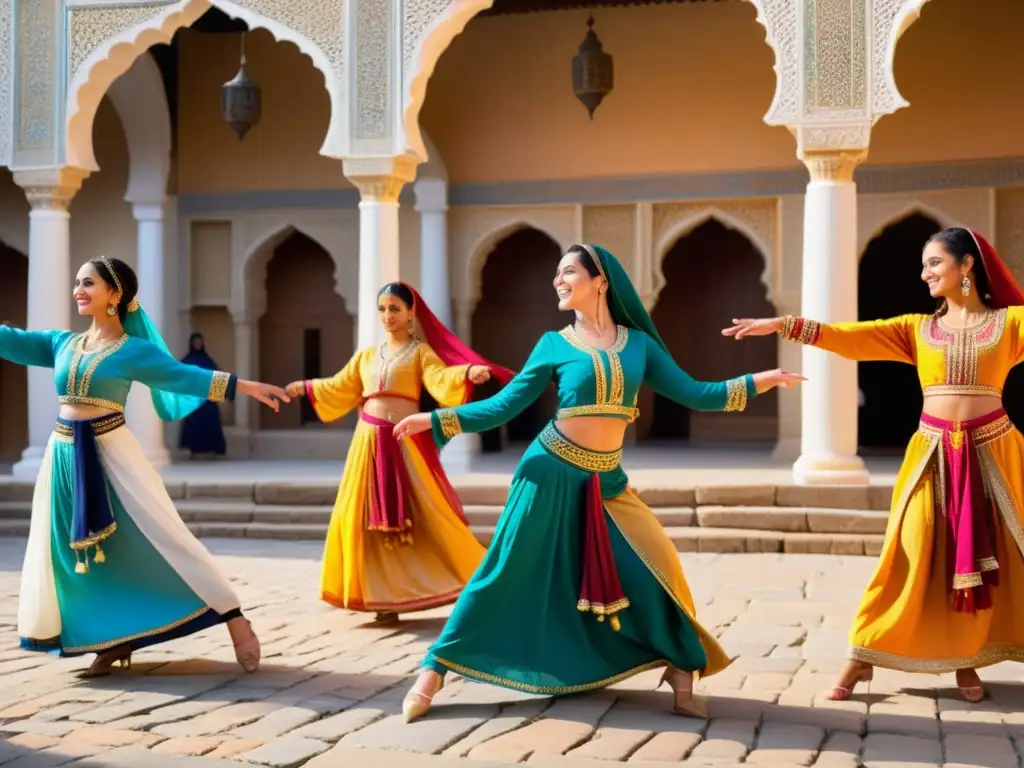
(485,246)
(104,41)
(670,230)
(249,292)
(434,167)
(872,220)
(139,98)
(889,20)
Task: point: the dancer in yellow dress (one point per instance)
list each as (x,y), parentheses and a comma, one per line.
(948,591)
(398,540)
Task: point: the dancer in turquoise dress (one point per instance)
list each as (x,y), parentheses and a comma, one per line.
(580,587)
(110,567)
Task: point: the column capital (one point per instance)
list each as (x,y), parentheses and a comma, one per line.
(148,211)
(380,179)
(431,195)
(833,166)
(50,188)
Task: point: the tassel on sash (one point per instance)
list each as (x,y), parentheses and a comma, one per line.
(600,590)
(390,510)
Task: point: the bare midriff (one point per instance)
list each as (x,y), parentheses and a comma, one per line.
(960,407)
(595,433)
(392,409)
(83,412)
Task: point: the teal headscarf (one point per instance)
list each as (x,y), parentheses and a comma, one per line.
(170,406)
(624,302)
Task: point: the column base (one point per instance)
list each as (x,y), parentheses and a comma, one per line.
(457,457)
(31,461)
(830,470)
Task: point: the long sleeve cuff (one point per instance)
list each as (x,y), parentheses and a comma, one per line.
(222,387)
(739,391)
(445,425)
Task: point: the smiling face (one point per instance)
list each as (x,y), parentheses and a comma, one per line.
(575,287)
(394,313)
(92,294)
(941,272)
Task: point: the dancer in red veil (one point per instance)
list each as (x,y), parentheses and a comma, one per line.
(948,592)
(398,540)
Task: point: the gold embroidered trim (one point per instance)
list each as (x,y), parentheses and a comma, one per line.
(138,635)
(601,394)
(597,410)
(449,420)
(968,390)
(596,259)
(76,388)
(967,580)
(578,456)
(96,538)
(600,609)
(737,389)
(386,364)
(219,386)
(549,689)
(963,346)
(980,436)
(988,564)
(996,487)
(100,426)
(800,329)
(110,405)
(993,654)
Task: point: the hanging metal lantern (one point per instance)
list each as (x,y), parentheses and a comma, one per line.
(593,75)
(240,100)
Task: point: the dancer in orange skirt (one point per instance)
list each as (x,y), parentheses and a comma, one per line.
(948,592)
(398,540)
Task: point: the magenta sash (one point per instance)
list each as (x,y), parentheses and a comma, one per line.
(969,512)
(390,511)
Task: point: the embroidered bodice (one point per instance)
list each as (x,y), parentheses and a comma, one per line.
(104,377)
(967,361)
(377,372)
(594,382)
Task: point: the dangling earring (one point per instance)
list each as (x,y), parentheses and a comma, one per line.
(410,327)
(112,310)
(965,286)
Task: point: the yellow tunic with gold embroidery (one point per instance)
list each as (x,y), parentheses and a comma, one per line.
(364,569)
(905,620)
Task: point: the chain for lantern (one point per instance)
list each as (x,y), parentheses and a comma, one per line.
(241,100)
(593,73)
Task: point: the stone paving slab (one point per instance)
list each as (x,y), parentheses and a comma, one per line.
(331,687)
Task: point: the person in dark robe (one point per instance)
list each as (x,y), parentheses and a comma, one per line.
(201,432)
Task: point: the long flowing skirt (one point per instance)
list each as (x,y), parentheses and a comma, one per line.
(907,618)
(518,623)
(154,581)
(422,567)
(201,431)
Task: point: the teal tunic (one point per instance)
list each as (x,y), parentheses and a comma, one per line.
(516,623)
(134,596)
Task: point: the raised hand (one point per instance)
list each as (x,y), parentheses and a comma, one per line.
(267,394)
(412,425)
(766,380)
(296,389)
(746,326)
(478,374)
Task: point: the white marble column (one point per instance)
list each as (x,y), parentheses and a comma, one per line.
(150,269)
(379,181)
(49,194)
(432,205)
(828,439)
(243,370)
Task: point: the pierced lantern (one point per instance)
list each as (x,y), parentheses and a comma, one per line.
(593,75)
(240,100)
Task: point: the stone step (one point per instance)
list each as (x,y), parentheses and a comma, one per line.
(321,493)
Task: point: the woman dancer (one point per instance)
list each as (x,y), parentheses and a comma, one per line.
(110,567)
(201,432)
(398,541)
(947,592)
(574,539)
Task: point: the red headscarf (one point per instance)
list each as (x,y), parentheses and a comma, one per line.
(446,344)
(1002,285)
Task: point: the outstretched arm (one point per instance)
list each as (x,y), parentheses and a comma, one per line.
(513,399)
(34,348)
(334,397)
(671,381)
(448,385)
(889,340)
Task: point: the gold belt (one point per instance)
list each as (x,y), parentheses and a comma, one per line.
(100,426)
(577,455)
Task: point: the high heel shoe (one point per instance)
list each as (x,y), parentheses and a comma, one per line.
(684,702)
(385,617)
(416,703)
(102,664)
(247,653)
(843,692)
(971,693)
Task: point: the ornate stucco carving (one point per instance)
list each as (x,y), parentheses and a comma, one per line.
(6,80)
(781,22)
(836,65)
(476,232)
(1009,234)
(889,20)
(758,220)
(614,227)
(948,208)
(373,70)
(90,26)
(37,80)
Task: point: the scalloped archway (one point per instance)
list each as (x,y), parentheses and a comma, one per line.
(94,75)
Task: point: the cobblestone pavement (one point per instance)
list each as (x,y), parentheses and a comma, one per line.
(330,690)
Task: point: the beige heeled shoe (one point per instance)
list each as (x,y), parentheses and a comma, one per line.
(684,702)
(416,703)
(102,664)
(864,674)
(247,653)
